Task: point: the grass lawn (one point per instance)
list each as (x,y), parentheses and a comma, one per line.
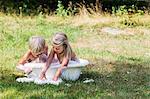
(119,64)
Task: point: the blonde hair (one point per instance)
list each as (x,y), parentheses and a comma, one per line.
(36,44)
(62,39)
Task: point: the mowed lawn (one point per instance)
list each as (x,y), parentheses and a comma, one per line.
(119,64)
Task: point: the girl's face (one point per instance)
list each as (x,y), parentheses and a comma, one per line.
(37,53)
(58,49)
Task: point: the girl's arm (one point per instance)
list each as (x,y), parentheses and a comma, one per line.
(25,57)
(65,61)
(22,61)
(63,65)
(45,68)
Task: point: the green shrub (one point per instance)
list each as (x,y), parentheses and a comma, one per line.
(129,15)
(61,11)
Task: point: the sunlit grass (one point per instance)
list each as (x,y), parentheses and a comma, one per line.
(119,64)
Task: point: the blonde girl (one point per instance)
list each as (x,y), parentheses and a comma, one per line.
(61,50)
(37,52)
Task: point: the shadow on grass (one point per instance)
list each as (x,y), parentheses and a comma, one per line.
(126,80)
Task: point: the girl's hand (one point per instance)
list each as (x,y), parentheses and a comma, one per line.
(58,73)
(55,78)
(42,76)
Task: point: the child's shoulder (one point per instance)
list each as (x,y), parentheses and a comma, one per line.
(29,52)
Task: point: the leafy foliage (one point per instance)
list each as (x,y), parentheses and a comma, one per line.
(34,7)
(130,16)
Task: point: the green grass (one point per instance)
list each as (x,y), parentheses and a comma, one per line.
(119,65)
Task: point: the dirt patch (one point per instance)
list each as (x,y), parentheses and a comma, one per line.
(126,31)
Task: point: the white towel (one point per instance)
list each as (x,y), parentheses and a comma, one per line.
(48,81)
(25,79)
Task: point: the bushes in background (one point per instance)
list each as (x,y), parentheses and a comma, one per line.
(34,7)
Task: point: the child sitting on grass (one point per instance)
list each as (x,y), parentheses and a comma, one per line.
(37,52)
(61,50)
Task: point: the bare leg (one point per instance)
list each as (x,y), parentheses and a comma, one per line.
(26,70)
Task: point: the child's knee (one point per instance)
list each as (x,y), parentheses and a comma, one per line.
(24,69)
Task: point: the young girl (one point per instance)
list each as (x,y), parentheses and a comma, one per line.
(61,50)
(37,53)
